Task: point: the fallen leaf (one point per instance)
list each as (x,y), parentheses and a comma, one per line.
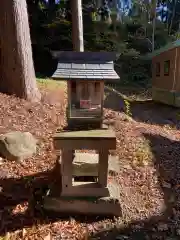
(24,232)
(48,237)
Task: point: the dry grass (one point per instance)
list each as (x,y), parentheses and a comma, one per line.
(50,84)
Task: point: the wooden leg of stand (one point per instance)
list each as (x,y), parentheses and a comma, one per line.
(66,169)
(103,167)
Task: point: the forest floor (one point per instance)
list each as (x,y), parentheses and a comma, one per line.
(148,148)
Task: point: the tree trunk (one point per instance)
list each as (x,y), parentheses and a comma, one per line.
(154,3)
(52,3)
(77,25)
(172,17)
(98,5)
(18,76)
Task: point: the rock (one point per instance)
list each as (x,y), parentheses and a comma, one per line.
(17,146)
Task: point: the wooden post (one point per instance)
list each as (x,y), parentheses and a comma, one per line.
(98,5)
(91,91)
(69,93)
(66,169)
(79,90)
(102,97)
(77,25)
(103,167)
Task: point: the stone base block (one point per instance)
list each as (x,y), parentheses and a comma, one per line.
(85,189)
(108,206)
(83,206)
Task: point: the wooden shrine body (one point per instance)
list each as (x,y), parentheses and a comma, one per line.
(85,106)
(85,73)
(85,102)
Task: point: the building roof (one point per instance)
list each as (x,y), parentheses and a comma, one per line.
(166,48)
(85,65)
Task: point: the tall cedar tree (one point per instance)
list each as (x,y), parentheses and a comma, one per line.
(17,69)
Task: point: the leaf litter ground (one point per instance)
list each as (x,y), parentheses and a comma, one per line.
(149,179)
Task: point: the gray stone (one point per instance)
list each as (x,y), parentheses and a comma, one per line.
(17,146)
(99,206)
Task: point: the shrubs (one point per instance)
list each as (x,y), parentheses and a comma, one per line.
(134,71)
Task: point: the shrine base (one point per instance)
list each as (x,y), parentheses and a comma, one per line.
(107,206)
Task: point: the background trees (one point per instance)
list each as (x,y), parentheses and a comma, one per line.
(126,28)
(131,28)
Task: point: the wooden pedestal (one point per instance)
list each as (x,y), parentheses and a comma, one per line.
(100,140)
(84,197)
(70,188)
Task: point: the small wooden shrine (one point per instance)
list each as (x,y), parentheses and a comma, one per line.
(85,73)
(75,193)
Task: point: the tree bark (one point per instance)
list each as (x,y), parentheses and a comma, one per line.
(52,3)
(154,3)
(98,5)
(77,26)
(18,76)
(172,17)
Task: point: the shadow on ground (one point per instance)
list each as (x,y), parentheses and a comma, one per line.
(166,226)
(145,110)
(17,191)
(29,190)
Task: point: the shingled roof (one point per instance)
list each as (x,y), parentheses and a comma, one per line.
(167,47)
(85,65)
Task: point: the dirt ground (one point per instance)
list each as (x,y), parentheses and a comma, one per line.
(148,149)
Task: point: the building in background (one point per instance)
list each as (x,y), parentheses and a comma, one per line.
(166,74)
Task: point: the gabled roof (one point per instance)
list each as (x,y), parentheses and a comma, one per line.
(71,56)
(85,65)
(166,48)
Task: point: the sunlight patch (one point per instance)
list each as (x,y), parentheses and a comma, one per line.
(20,208)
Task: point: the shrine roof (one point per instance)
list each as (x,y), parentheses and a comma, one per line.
(85,65)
